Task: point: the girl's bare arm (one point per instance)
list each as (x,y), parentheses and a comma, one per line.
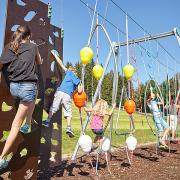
(109,113)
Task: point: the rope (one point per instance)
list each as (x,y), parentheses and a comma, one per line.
(80,114)
(105,14)
(97,42)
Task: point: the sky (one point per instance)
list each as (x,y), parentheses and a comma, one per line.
(155,16)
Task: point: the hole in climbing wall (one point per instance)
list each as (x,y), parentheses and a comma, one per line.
(40,41)
(54,142)
(5,135)
(50,40)
(48,91)
(29,16)
(23,152)
(53,66)
(21,3)
(52,158)
(5,107)
(42,22)
(29,174)
(9,156)
(56,34)
(55,126)
(39,161)
(43,141)
(53,51)
(14,28)
(38,101)
(54,79)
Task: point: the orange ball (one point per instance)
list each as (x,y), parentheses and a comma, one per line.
(129,106)
(79,99)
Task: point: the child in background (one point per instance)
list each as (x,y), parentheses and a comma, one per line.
(173,118)
(98,112)
(161,124)
(63,95)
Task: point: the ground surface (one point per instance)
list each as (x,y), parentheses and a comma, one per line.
(146,166)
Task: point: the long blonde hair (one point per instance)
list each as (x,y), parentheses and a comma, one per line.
(100,107)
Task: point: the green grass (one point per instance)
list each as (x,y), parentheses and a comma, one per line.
(143,132)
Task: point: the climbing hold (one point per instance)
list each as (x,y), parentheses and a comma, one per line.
(128,71)
(131,143)
(86,55)
(129,106)
(85,142)
(79,99)
(98,71)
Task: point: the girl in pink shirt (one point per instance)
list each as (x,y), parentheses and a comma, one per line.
(98,112)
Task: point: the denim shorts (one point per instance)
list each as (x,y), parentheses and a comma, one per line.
(98,132)
(161,124)
(24,91)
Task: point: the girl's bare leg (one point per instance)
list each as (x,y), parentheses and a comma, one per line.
(17,122)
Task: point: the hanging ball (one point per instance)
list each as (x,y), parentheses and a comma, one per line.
(106,144)
(98,71)
(128,71)
(86,55)
(129,106)
(79,99)
(85,142)
(131,143)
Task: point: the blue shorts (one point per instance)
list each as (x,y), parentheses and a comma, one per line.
(161,124)
(24,91)
(98,132)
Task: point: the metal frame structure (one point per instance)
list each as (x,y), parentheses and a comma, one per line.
(115,82)
(174,32)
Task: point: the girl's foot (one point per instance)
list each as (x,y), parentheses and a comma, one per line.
(162,142)
(46,123)
(3,164)
(25,128)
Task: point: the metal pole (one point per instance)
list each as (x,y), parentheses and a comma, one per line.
(94,99)
(148,38)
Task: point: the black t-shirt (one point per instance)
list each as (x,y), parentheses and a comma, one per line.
(21,67)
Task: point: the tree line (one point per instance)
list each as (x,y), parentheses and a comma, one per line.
(137,94)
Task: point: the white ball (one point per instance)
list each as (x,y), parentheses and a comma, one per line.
(85,142)
(106,144)
(131,142)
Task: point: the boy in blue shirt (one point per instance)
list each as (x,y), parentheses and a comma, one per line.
(63,95)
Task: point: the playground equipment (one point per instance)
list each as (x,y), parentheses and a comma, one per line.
(98,71)
(85,142)
(128,71)
(39,155)
(130,106)
(86,55)
(32,141)
(131,142)
(79,99)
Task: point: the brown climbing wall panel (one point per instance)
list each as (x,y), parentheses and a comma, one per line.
(26,150)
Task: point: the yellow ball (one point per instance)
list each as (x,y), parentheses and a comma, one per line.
(98,71)
(86,55)
(128,71)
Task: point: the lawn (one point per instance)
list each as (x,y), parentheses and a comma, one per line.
(143,132)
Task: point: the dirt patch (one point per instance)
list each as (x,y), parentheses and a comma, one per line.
(146,165)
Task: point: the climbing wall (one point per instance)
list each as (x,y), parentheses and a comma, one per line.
(26,150)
